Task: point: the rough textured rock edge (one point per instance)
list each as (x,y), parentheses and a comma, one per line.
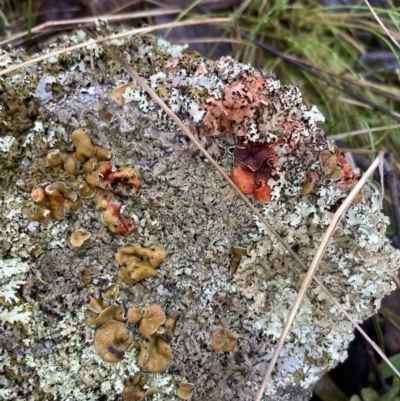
(187,208)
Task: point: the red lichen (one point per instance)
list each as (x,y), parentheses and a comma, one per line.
(116,223)
(123,181)
(257,163)
(254,154)
(106,202)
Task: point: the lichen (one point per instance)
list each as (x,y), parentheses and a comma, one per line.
(185,207)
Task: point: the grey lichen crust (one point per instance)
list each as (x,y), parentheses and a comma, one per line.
(186,207)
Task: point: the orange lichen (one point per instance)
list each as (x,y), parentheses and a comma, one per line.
(244,179)
(262,192)
(256,163)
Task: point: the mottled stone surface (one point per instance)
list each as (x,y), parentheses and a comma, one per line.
(186,207)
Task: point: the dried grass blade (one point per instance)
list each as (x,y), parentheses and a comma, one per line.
(76,21)
(381,24)
(312,269)
(363,131)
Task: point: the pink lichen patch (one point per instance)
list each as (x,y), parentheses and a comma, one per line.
(240,100)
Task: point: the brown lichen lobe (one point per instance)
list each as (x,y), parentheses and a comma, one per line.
(222,339)
(185,390)
(155,355)
(78,237)
(111,341)
(134,388)
(138,262)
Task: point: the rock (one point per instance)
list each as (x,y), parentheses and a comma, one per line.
(187,208)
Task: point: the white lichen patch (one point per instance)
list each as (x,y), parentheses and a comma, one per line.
(6,143)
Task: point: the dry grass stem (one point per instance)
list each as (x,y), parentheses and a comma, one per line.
(357,151)
(115,36)
(382,25)
(88,20)
(210,40)
(345,135)
(380,89)
(373,26)
(361,104)
(312,269)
